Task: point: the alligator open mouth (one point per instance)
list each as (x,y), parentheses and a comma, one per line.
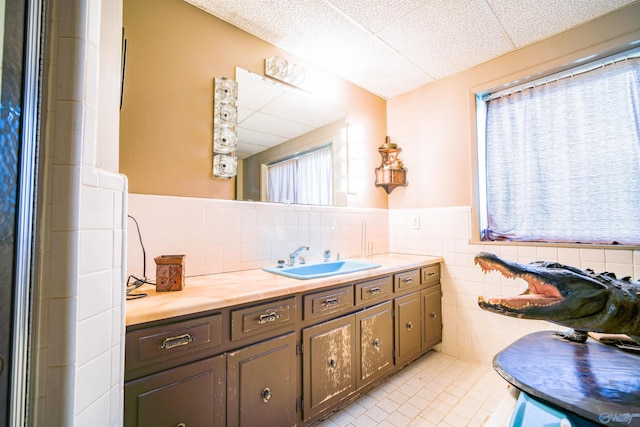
(566,295)
(538,294)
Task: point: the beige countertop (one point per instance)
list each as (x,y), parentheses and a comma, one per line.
(213,291)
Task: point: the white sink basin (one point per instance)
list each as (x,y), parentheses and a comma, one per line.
(322,269)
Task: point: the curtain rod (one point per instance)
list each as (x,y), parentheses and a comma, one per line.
(602,62)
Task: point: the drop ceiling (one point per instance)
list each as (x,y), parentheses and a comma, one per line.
(390,47)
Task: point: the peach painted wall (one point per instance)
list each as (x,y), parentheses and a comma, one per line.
(174,52)
(435,124)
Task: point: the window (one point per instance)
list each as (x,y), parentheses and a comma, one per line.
(304,179)
(559,160)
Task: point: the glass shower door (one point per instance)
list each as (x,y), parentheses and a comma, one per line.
(19,70)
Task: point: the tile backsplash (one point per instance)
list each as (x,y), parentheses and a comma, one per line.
(223,236)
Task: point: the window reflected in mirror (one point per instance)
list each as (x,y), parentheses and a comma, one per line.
(303,179)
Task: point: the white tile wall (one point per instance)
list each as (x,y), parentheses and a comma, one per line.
(79,296)
(100,317)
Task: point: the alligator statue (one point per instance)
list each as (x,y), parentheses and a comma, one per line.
(579,299)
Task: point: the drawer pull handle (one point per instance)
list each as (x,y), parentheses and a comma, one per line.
(376,343)
(266,318)
(433,315)
(409,326)
(375,291)
(332,363)
(432,273)
(332,302)
(173,342)
(407,279)
(266,395)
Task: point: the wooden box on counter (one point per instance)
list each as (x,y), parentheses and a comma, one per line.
(169,272)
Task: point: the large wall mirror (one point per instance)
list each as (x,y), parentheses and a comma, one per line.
(278,124)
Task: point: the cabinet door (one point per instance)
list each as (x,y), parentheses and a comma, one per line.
(191,395)
(407,324)
(432,317)
(261,384)
(328,364)
(374,329)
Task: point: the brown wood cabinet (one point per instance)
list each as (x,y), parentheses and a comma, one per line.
(190,395)
(407,327)
(261,384)
(374,332)
(284,361)
(328,367)
(431,316)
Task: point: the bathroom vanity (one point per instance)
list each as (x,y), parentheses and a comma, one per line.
(253,348)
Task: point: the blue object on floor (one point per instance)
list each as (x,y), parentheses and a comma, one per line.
(532,413)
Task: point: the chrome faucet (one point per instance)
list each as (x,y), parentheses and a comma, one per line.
(293,255)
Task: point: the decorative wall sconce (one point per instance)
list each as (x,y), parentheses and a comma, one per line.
(225,119)
(391,173)
(283,70)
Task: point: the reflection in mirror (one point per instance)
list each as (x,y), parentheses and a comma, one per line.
(279,124)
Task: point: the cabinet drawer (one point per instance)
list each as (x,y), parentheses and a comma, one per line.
(406,280)
(159,343)
(327,302)
(430,275)
(373,290)
(264,317)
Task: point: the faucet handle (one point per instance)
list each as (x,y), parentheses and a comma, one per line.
(280,263)
(327,254)
(301,260)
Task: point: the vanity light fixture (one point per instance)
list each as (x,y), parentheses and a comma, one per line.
(283,70)
(391,173)
(225,119)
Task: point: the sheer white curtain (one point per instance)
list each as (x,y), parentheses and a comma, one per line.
(563,159)
(281,182)
(315,178)
(306,179)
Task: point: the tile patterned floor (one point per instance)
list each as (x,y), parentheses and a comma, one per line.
(435,390)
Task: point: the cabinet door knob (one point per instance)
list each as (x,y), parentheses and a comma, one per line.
(266,395)
(376,343)
(409,326)
(181,425)
(332,363)
(433,315)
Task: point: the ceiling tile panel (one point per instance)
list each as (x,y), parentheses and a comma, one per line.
(375,66)
(274,125)
(445,37)
(376,15)
(529,21)
(302,27)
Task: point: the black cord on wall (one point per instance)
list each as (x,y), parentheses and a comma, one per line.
(137,282)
